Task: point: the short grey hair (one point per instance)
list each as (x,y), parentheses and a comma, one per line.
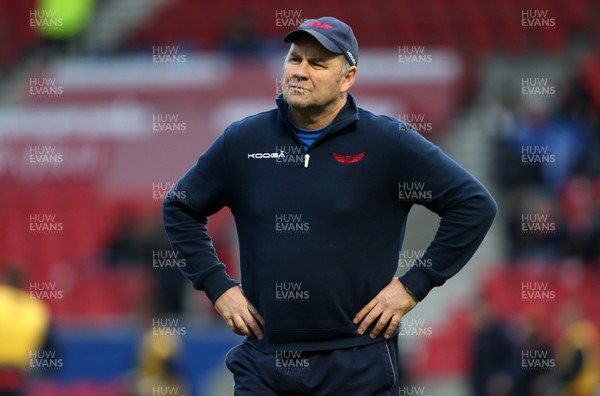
(345,66)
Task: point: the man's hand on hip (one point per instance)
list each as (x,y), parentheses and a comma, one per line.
(388,306)
(239,314)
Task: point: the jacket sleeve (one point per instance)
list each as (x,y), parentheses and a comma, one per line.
(201,192)
(465,207)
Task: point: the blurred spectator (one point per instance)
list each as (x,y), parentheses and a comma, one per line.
(24,325)
(547,163)
(535,226)
(578,355)
(553,142)
(167,279)
(124,248)
(535,377)
(243,38)
(579,200)
(589,162)
(158,368)
(141,241)
(508,171)
(495,358)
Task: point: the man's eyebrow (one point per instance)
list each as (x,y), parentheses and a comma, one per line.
(311,58)
(318,58)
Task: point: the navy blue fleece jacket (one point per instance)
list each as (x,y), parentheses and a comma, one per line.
(320,229)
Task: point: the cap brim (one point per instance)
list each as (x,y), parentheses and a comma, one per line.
(324,41)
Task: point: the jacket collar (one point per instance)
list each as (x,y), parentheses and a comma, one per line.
(347,116)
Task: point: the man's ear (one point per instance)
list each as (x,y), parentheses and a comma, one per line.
(348,79)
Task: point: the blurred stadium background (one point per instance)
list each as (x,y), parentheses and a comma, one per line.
(105,103)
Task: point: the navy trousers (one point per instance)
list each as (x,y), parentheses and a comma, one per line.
(370,370)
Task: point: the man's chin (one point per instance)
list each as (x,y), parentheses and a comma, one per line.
(297,101)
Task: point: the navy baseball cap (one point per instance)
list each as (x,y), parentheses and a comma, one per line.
(332,33)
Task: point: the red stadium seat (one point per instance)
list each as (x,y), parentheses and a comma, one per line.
(475,27)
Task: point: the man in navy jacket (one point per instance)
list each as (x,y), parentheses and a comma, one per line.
(320,191)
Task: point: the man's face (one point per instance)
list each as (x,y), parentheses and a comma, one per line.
(312,76)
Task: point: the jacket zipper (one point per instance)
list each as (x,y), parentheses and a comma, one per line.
(308,149)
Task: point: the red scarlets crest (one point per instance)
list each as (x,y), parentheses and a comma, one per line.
(348,159)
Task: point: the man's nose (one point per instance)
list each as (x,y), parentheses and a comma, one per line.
(300,72)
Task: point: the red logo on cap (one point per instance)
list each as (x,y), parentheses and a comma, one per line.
(320,25)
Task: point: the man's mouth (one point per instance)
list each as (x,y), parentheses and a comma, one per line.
(297,88)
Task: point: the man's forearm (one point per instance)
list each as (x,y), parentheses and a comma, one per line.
(189,237)
(460,233)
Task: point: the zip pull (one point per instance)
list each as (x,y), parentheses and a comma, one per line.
(306,158)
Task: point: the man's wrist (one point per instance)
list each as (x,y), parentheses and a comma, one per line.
(411,294)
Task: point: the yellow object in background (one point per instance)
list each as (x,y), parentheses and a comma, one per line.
(581,336)
(23,325)
(157,363)
(63,19)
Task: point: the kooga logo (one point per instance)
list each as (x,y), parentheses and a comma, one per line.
(266,155)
